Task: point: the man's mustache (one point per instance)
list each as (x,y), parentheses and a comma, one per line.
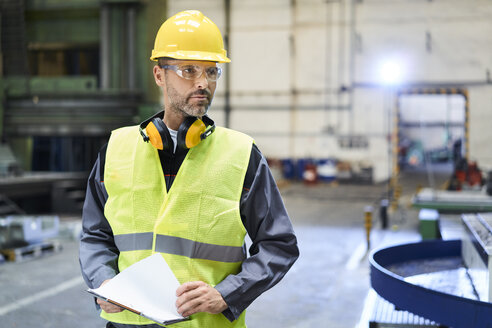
(201,92)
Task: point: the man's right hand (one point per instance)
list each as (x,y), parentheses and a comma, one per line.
(106,306)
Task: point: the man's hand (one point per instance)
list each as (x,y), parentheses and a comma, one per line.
(197,296)
(106,306)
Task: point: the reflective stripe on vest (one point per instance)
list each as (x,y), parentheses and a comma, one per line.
(197,250)
(179,246)
(196,226)
(134,241)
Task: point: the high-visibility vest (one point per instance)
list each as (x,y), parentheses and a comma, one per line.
(196,226)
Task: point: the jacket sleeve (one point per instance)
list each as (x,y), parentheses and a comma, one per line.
(274,245)
(98,254)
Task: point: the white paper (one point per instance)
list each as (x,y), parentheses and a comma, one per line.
(148,286)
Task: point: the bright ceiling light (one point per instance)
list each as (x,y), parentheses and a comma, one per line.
(391,72)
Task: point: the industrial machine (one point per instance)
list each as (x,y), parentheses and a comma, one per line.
(467,191)
(445,281)
(21,230)
(69,75)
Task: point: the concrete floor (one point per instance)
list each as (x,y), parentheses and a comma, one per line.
(325,288)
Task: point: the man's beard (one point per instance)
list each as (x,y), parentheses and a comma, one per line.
(180,104)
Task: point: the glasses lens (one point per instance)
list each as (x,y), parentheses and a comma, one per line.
(190,72)
(213,73)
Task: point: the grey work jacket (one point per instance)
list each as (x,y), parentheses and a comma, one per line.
(273,250)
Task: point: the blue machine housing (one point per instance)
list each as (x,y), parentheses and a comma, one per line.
(449,310)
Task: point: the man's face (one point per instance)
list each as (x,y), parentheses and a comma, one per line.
(188,97)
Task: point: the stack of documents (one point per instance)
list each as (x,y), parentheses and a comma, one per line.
(147,288)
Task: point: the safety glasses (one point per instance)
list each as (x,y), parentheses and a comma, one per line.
(192,72)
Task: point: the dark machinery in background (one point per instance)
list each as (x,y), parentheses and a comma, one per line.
(70,72)
(467,190)
(466,175)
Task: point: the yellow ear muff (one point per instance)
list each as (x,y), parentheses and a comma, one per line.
(194,132)
(154,136)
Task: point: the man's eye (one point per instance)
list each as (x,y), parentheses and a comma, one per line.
(189,70)
(212,71)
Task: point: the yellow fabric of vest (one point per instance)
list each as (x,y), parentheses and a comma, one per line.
(202,206)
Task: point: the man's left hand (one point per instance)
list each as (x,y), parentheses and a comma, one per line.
(197,296)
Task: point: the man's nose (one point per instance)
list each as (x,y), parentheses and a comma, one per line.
(202,82)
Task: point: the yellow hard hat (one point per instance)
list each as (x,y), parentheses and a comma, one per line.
(189,35)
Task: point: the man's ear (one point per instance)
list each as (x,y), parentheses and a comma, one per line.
(159,76)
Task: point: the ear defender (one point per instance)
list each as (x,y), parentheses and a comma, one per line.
(194,130)
(159,135)
(154,130)
(190,133)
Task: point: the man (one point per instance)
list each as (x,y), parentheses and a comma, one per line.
(181,187)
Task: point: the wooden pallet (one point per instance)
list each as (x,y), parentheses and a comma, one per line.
(24,253)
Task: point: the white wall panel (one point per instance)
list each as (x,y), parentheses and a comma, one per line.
(261,122)
(213,9)
(461,50)
(260,100)
(311,59)
(273,146)
(309,121)
(381,159)
(310,99)
(260,61)
(397,11)
(251,15)
(372,108)
(315,146)
(312,12)
(217,114)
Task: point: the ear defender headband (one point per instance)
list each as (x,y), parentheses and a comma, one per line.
(190,133)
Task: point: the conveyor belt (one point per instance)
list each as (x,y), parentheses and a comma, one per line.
(449,310)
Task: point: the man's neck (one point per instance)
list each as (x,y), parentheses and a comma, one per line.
(172,120)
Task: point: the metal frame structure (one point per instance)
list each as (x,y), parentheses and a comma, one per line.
(394,184)
(429,91)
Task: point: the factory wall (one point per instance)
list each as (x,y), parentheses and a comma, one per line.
(439,41)
(306,77)
(439,44)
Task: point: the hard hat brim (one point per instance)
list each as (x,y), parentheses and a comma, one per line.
(191,55)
